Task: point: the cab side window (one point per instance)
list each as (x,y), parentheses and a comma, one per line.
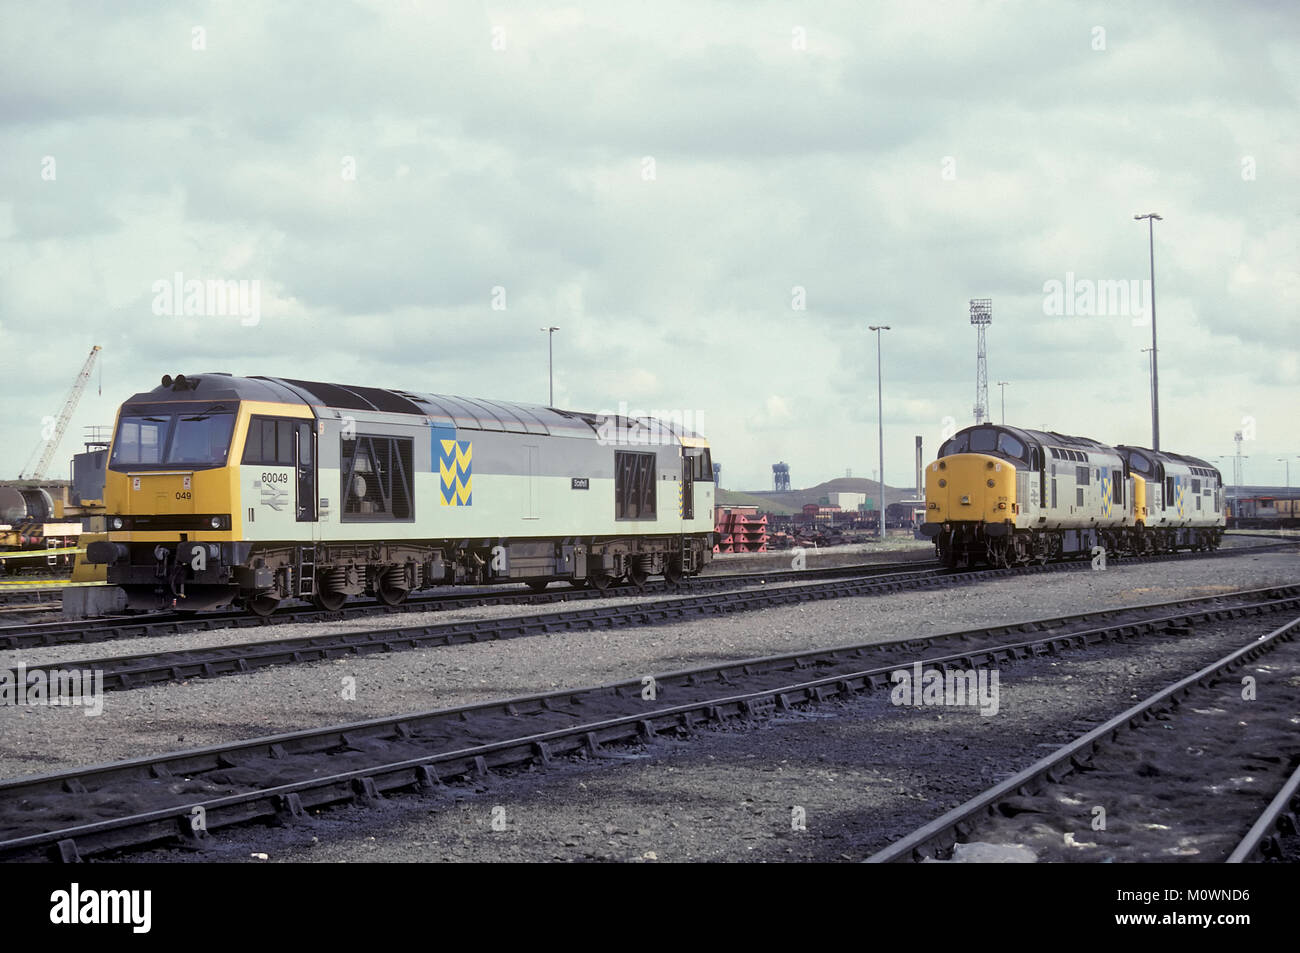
(1011,446)
(270,441)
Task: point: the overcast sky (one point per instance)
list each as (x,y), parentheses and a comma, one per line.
(712,201)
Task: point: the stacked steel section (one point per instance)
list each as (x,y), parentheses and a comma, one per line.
(740,530)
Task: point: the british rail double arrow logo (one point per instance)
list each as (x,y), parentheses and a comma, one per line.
(272,496)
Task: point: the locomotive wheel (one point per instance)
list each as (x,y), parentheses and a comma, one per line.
(999,554)
(390,596)
(329,601)
(948,556)
(263,606)
(636,576)
(538,585)
(600,582)
(673,573)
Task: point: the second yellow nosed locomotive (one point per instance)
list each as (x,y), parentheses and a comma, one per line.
(1006,496)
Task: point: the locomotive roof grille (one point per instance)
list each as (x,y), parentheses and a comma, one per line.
(332,395)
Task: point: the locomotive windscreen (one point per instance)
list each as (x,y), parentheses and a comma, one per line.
(163,439)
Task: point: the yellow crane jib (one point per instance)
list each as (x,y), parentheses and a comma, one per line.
(51,445)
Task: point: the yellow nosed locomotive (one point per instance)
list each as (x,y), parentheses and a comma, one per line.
(1007,496)
(254,490)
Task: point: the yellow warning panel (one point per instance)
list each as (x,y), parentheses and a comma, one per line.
(83,571)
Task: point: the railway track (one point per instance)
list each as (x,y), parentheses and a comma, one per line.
(153,668)
(135,671)
(1275,835)
(87,631)
(1184,772)
(186,796)
(31,598)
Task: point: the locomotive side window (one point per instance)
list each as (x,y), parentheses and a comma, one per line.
(634,486)
(377,478)
(266,441)
(270,441)
(1081,477)
(284,437)
(701,466)
(1010,446)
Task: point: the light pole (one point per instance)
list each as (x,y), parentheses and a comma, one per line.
(1287,461)
(1003,385)
(880,404)
(1291,505)
(550,361)
(1148,350)
(1152,218)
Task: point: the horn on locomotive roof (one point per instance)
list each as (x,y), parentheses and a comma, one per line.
(166,380)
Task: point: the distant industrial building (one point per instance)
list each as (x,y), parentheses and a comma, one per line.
(820,511)
(848,502)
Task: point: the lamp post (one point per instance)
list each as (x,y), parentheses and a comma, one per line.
(1152,218)
(550,361)
(1148,350)
(1003,385)
(880,404)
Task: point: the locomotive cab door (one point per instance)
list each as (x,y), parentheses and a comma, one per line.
(1036,462)
(305,463)
(688,484)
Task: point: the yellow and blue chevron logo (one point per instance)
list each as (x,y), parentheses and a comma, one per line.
(1105,493)
(680,508)
(456,470)
(1180,497)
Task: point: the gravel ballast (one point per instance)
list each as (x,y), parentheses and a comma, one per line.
(835,782)
(164,718)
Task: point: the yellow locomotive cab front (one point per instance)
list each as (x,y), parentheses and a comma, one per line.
(970,488)
(171,496)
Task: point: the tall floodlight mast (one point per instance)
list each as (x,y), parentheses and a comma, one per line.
(981,315)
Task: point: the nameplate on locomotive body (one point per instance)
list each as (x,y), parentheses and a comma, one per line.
(580,483)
